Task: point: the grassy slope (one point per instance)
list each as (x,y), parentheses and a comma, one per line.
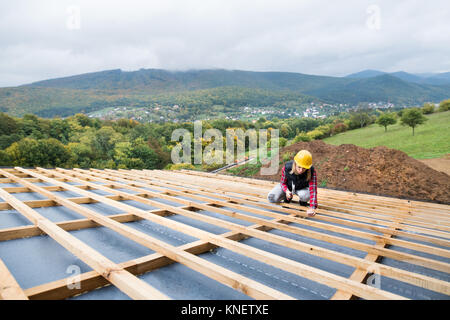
(431,140)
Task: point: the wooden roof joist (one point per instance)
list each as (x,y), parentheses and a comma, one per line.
(351,215)
(366,226)
(338,197)
(128,283)
(9,288)
(362,196)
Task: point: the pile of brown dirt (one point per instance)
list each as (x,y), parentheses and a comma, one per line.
(379,170)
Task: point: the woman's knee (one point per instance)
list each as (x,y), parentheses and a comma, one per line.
(271,198)
(303,195)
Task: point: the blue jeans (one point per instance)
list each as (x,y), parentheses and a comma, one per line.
(277,194)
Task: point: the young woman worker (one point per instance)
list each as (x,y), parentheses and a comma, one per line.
(297,176)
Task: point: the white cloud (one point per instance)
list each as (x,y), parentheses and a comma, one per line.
(315,37)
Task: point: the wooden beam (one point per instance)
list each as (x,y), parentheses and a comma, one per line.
(32,231)
(192,193)
(275,260)
(207,240)
(359,197)
(92,280)
(9,288)
(360,274)
(227,277)
(412,278)
(312,222)
(407,206)
(348,207)
(327,216)
(125,281)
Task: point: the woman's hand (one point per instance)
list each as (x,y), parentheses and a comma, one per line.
(311,212)
(288,194)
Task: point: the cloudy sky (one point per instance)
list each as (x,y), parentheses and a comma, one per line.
(48,39)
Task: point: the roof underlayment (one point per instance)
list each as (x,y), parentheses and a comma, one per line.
(151,234)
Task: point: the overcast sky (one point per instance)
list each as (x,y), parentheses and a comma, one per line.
(48,39)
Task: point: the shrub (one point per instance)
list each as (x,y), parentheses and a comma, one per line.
(302,136)
(288,156)
(5,159)
(325,129)
(211,167)
(444,105)
(179,166)
(428,108)
(282,142)
(315,134)
(339,127)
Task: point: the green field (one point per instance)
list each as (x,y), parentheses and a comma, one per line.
(431,139)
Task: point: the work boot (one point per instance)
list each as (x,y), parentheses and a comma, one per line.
(303,203)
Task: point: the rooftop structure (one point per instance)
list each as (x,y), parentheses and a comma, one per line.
(151,234)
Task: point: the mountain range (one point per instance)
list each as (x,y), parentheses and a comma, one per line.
(423,78)
(97,90)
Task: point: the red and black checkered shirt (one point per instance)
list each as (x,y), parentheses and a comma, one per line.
(312,187)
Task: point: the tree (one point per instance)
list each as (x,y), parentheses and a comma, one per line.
(302,136)
(7,140)
(386,119)
(444,105)
(5,159)
(30,152)
(83,120)
(103,142)
(163,155)
(59,129)
(136,154)
(27,152)
(57,154)
(339,127)
(315,134)
(261,120)
(7,124)
(428,108)
(81,154)
(282,142)
(359,119)
(30,126)
(325,129)
(413,117)
(285,130)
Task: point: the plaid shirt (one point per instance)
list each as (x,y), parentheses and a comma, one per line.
(312,187)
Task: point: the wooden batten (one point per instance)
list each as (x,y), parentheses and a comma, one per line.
(9,288)
(423,227)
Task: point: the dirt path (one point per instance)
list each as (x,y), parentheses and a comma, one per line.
(439,164)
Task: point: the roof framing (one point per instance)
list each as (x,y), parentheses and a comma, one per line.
(421,226)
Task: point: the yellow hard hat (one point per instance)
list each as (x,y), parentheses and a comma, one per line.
(303,159)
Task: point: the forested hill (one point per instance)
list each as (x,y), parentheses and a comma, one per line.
(98,90)
(158,81)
